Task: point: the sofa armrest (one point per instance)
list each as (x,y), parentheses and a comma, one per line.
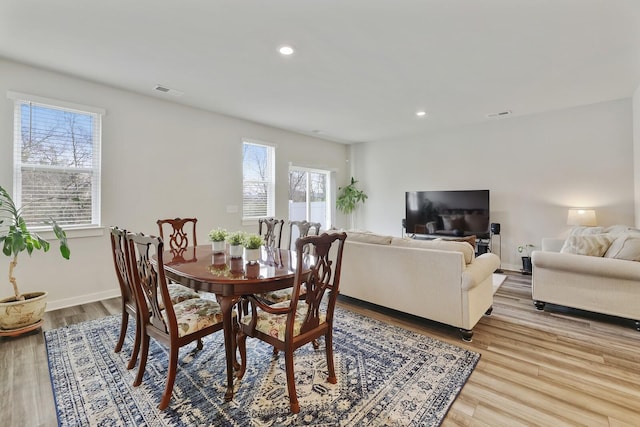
(552,244)
(481,268)
(586,265)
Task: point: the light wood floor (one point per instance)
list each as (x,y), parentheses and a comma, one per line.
(552,368)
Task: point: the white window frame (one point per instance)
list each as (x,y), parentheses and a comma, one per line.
(20,99)
(327,223)
(270,180)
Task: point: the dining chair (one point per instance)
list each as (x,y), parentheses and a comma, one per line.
(181,233)
(291,324)
(121,262)
(173,325)
(303,229)
(271,231)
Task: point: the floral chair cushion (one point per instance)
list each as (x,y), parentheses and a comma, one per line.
(195,314)
(179,293)
(275,324)
(280,295)
(276,296)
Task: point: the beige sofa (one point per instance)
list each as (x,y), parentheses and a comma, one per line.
(434,279)
(595,269)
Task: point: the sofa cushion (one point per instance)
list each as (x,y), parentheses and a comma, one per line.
(469,239)
(626,246)
(443,245)
(591,245)
(364,237)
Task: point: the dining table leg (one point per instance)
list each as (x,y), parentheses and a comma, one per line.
(227,304)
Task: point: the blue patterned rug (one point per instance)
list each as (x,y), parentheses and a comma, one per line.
(387,376)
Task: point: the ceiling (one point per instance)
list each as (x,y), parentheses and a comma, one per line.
(361,69)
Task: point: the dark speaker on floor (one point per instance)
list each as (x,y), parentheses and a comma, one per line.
(495,228)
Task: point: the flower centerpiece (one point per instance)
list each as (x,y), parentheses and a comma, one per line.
(252,244)
(235,240)
(218,237)
(21,311)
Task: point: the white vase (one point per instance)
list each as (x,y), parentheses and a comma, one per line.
(218,246)
(251,255)
(235,251)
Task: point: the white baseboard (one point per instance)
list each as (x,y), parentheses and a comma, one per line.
(82,299)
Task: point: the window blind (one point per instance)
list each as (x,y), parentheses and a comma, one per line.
(56,161)
(258,186)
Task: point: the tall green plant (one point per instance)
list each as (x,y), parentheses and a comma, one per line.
(15,237)
(349,197)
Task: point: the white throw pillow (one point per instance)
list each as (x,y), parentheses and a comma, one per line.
(617,229)
(626,246)
(591,245)
(584,231)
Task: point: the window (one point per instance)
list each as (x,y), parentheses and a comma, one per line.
(56,161)
(258,180)
(309,197)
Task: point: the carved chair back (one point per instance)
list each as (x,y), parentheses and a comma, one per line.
(271,231)
(303,228)
(150,283)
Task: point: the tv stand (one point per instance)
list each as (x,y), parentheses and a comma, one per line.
(482,245)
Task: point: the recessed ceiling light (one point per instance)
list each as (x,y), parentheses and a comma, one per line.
(421,113)
(286,50)
(168,90)
(498,115)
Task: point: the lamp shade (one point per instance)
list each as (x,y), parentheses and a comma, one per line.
(584,217)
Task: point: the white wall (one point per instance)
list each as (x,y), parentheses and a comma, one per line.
(535,167)
(636,152)
(159,160)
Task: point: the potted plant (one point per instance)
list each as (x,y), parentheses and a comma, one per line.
(235,240)
(252,244)
(349,197)
(22,312)
(218,237)
(525,251)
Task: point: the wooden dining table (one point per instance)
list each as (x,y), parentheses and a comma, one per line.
(230,278)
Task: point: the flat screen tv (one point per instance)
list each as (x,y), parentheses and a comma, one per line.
(448,213)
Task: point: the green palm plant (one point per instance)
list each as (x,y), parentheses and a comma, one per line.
(15,237)
(349,197)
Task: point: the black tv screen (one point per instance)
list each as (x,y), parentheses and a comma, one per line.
(448,213)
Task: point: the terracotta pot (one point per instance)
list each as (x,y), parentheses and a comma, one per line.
(18,314)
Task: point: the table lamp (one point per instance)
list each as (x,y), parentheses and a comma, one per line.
(583,217)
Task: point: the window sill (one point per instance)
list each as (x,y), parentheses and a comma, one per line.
(72,232)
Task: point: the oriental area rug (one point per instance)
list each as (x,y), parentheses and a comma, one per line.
(387,376)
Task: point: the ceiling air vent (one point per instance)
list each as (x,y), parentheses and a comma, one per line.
(498,115)
(164,89)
